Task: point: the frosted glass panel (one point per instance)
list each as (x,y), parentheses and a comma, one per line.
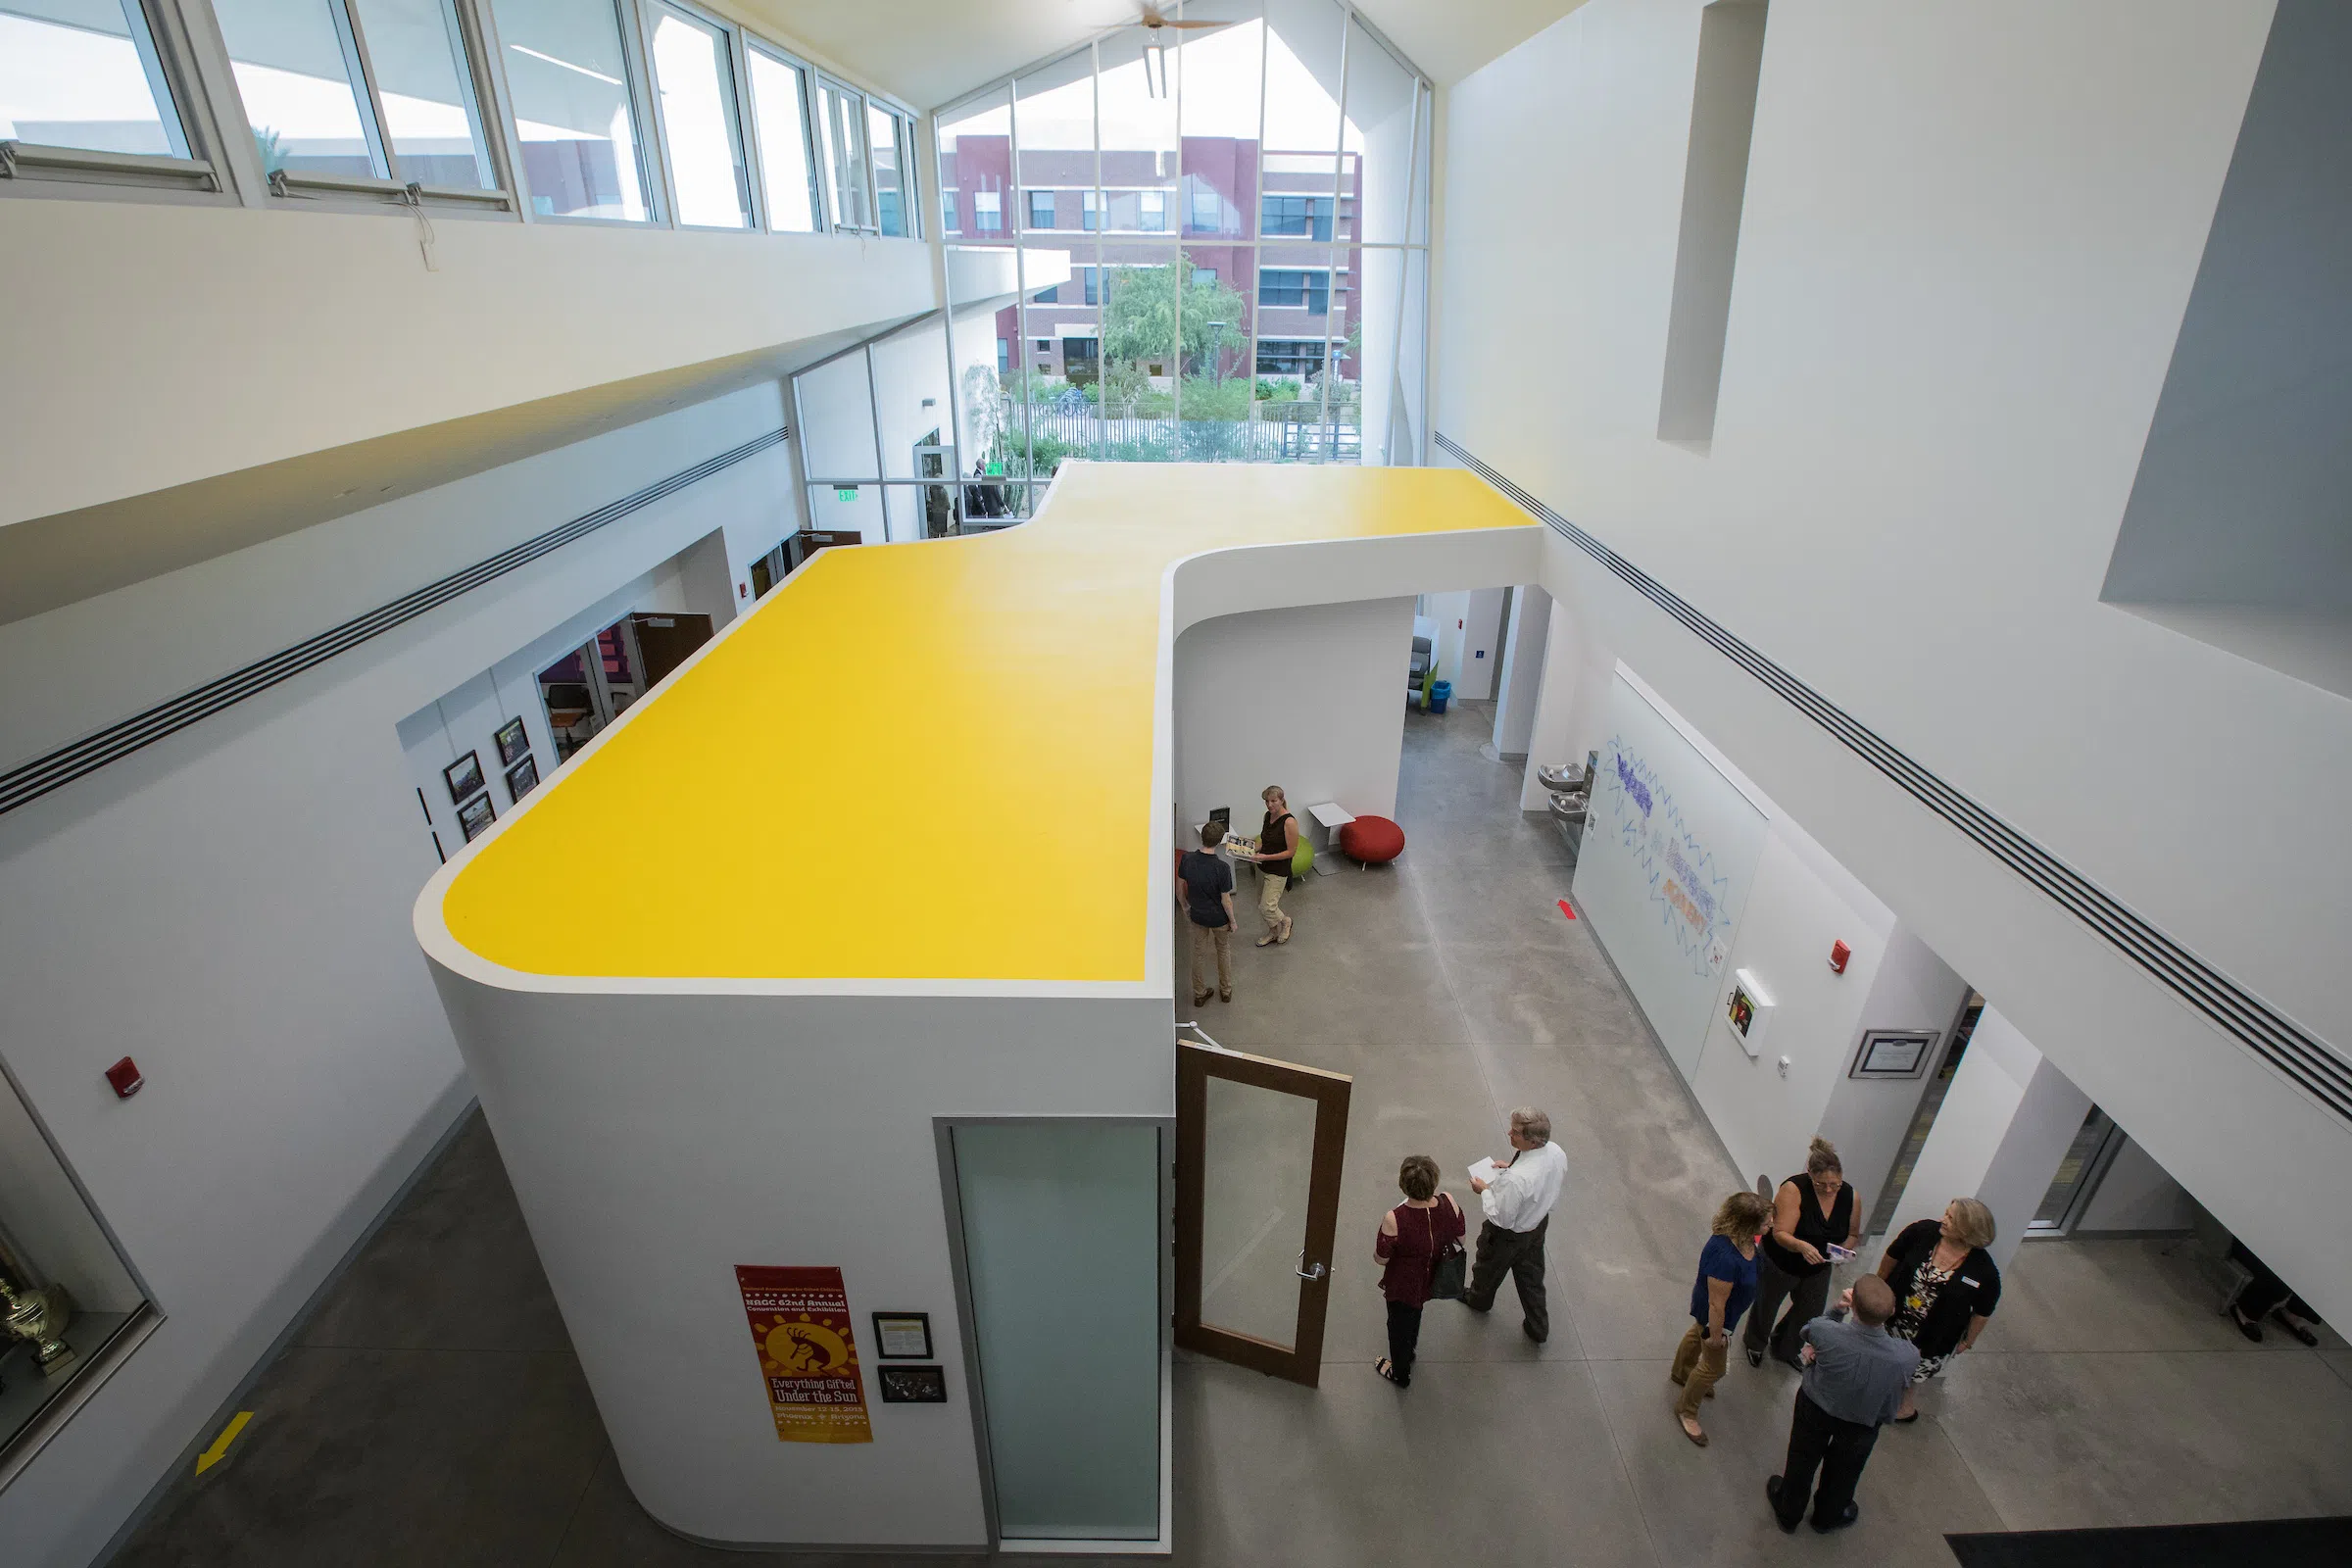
(1063,1242)
(1260,1147)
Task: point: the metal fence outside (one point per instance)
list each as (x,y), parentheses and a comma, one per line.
(1061,433)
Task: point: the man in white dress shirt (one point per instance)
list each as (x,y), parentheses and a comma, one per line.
(1518,1203)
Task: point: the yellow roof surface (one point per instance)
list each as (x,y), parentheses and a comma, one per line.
(913,761)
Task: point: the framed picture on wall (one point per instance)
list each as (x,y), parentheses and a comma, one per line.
(476,815)
(464,778)
(1893,1054)
(913,1384)
(522,777)
(513,744)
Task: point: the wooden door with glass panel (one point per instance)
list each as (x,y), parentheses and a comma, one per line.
(1258,1147)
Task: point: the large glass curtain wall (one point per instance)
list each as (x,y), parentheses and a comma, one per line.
(1242,210)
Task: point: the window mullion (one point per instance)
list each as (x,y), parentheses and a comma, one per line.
(353,38)
(637,48)
(500,129)
(753,169)
(159,81)
(489,148)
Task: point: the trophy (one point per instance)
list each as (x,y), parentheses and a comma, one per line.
(38,1316)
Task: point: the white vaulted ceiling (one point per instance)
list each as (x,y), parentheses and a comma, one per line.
(929,52)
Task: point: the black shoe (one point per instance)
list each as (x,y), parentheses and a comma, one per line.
(1476,1307)
(1755,1357)
(1853,1511)
(2245,1325)
(1528,1328)
(1771,1495)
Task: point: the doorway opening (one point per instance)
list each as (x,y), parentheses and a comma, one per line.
(1930,1101)
(594,684)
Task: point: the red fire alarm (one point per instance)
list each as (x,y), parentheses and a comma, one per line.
(743,590)
(1838,953)
(124,1076)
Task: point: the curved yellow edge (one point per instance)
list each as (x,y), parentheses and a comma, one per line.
(917,761)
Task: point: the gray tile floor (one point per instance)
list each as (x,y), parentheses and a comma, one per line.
(431,1410)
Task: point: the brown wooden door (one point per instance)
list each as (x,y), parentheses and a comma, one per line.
(1258,1147)
(665,642)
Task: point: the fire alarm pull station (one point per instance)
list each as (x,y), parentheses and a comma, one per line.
(124,1076)
(1838,953)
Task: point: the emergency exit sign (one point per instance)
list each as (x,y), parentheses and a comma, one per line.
(844,492)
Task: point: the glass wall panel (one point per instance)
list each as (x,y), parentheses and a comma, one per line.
(298,74)
(1139,82)
(1134,392)
(990,357)
(841,153)
(1303,43)
(975,158)
(1221,80)
(694,83)
(883,135)
(1302,299)
(83,74)
(1063,1243)
(577,124)
(1383,141)
(1056,114)
(431,120)
(779,107)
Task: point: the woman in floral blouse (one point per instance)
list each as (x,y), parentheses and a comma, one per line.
(1945,1287)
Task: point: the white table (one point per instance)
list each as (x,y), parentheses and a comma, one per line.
(1331,819)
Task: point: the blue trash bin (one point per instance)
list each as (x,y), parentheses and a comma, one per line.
(1438,694)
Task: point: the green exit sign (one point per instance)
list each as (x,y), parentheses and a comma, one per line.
(844,492)
(994,469)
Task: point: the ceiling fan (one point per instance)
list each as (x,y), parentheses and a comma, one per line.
(1152,21)
(1155,46)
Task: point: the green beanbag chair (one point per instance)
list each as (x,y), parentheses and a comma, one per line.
(1302,862)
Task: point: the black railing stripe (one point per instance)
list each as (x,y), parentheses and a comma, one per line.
(2303,1057)
(29,781)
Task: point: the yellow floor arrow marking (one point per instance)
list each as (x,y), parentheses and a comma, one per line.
(219,1448)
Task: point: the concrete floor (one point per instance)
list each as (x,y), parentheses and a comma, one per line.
(431,1410)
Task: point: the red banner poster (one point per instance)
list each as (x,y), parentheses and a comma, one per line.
(808,1352)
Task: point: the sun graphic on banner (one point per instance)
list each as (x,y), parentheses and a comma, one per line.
(805,1350)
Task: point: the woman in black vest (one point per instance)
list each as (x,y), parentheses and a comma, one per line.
(1277,848)
(1945,1288)
(1810,1214)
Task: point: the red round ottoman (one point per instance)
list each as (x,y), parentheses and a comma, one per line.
(1372,840)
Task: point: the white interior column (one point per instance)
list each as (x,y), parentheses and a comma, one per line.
(1999,1135)
(1522,674)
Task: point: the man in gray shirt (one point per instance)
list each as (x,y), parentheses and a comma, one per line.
(1855,1374)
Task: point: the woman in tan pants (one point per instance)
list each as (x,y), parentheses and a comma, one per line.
(1277,848)
(1726,1284)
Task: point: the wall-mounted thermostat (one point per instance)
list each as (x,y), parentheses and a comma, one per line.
(1750,1010)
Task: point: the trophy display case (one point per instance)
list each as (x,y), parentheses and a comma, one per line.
(71,1306)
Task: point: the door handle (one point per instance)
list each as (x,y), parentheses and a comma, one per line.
(1312,1271)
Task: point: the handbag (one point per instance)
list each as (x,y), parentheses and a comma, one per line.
(1448,1276)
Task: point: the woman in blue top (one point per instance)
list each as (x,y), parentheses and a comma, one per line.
(1726,1284)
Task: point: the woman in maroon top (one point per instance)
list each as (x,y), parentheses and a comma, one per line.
(1413,1236)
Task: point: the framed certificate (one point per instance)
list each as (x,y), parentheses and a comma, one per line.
(1893,1054)
(903,1336)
